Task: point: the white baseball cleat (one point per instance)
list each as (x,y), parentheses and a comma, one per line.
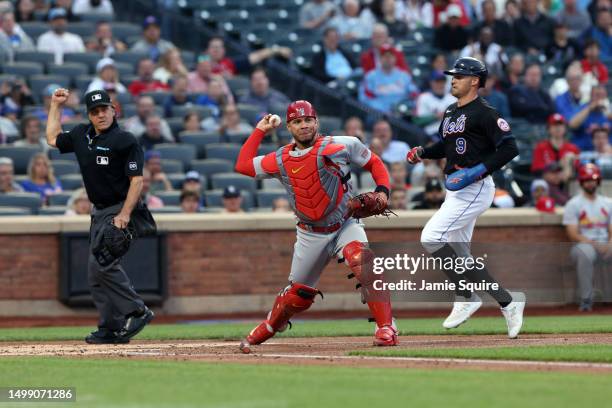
(463,308)
(514,314)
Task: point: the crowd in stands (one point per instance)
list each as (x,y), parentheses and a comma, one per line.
(548,76)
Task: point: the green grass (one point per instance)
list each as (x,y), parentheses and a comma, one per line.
(137,383)
(327,328)
(593,353)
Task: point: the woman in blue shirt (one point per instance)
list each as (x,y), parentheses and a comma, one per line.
(41,178)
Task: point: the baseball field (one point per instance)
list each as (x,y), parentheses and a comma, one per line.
(557,361)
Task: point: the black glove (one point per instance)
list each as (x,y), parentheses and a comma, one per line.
(114,243)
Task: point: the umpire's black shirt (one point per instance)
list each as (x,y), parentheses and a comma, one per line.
(106,161)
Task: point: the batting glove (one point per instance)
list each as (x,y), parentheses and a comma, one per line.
(414,155)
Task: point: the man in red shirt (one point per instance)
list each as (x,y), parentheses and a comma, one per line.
(370,59)
(591,62)
(555,148)
(145,81)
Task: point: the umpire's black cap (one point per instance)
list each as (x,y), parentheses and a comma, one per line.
(97,98)
(470,66)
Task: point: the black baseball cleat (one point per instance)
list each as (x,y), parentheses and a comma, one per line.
(103,336)
(134,324)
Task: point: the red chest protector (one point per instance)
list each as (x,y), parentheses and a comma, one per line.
(317,183)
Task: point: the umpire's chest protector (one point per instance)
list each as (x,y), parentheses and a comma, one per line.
(316,181)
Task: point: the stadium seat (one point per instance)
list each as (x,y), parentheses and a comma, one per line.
(45,58)
(177,179)
(199,140)
(61,167)
(123,30)
(176,125)
(88,58)
(34,28)
(125,69)
(70,69)
(159,96)
(222,180)
(167,209)
(184,153)
(83,81)
(31,201)
(249,113)
(226,151)
(60,198)
(39,82)
(71,181)
(238,138)
(170,197)
(23,69)
(181,111)
(14,211)
(21,156)
(328,124)
(129,57)
(170,166)
(84,29)
(53,210)
(271,184)
(214,198)
(208,167)
(238,83)
(54,154)
(265,198)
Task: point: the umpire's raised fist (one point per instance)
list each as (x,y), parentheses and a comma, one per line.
(60,96)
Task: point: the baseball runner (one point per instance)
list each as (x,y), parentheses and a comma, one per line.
(476,141)
(315,171)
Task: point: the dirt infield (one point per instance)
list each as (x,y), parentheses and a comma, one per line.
(322,351)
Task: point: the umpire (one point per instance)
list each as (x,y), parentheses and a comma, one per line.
(111,162)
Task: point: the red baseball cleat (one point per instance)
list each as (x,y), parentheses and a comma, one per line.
(386,336)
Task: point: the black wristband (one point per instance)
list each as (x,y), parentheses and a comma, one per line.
(383,189)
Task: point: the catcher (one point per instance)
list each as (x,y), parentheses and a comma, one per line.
(315,170)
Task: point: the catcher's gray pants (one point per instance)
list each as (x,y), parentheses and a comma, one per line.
(111,289)
(585,257)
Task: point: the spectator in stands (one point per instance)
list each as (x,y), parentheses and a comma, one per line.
(192,182)
(231,124)
(392,150)
(152,201)
(439,9)
(332,62)
(57,40)
(555,149)
(199,79)
(42,113)
(228,67)
(107,74)
(529,100)
(385,12)
(398,199)
(601,32)
(451,36)
(414,13)
(191,122)
(353,22)
(8,130)
(216,97)
(591,64)
(497,99)
(370,59)
(431,198)
(562,50)
(281,205)
(232,200)
(261,95)
(575,20)
(353,126)
(514,72)
(190,202)
(170,65)
(78,203)
(487,50)
(588,223)
(398,174)
(386,86)
(31,133)
(151,42)
(15,96)
(96,7)
(159,179)
(13,34)
(554,176)
(103,40)
(41,179)
(431,104)
(7,173)
(602,149)
(24,11)
(315,14)
(152,134)
(502,31)
(539,190)
(179,95)
(145,106)
(64,4)
(571,92)
(533,30)
(426,170)
(596,111)
(145,81)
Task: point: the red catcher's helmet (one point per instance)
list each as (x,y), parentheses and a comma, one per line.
(589,172)
(300,109)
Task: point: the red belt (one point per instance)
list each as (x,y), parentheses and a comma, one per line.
(321,230)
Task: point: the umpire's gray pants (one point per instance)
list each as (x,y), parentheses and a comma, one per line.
(111,289)
(585,257)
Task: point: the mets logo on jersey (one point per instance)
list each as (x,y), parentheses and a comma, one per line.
(503,125)
(458,126)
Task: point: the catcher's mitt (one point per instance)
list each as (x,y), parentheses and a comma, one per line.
(114,243)
(368,204)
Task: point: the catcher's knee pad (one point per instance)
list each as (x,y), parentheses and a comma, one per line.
(356,255)
(295,298)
